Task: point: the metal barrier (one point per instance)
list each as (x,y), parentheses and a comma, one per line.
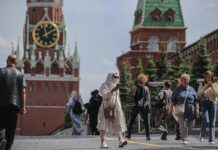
(138,126)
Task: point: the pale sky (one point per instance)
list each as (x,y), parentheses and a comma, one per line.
(101,28)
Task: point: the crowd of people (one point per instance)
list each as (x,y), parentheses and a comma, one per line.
(103,113)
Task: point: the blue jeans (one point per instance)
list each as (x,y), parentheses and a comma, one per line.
(208,109)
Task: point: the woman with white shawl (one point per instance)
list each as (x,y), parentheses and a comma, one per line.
(75,118)
(110,93)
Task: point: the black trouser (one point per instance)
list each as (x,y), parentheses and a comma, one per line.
(8,121)
(144,114)
(93,120)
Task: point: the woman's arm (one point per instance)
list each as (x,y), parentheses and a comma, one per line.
(201,90)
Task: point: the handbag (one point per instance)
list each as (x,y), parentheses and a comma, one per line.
(180,109)
(109,112)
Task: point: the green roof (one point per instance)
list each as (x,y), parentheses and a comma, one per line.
(147,6)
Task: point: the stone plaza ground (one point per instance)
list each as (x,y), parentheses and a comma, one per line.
(88,142)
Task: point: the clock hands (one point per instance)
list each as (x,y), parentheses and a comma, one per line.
(49,32)
(46,34)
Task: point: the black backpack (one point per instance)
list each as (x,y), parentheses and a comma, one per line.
(162,102)
(77,109)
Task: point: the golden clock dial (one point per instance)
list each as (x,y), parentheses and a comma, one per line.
(46,34)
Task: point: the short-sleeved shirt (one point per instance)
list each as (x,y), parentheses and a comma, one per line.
(180,94)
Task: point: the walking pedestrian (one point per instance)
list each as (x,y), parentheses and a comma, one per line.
(141,104)
(162,102)
(208,96)
(13,99)
(185,94)
(75,112)
(110,116)
(94,105)
(178,136)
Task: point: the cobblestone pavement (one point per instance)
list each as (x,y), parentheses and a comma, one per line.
(138,142)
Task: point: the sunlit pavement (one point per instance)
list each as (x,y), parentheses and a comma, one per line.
(137,142)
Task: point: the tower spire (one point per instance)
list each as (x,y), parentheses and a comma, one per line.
(18,49)
(12,48)
(76,54)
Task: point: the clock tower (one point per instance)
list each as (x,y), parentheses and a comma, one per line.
(50,74)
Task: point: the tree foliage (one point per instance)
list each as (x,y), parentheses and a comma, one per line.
(150,68)
(216,69)
(163,66)
(203,60)
(139,67)
(126,84)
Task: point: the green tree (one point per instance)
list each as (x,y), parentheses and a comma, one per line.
(126,84)
(178,66)
(139,67)
(187,66)
(163,66)
(150,68)
(203,60)
(216,69)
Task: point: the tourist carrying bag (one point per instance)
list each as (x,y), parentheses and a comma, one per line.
(180,109)
(109,112)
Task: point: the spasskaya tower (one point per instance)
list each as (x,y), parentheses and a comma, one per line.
(49,73)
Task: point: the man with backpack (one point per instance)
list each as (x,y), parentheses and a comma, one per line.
(162,102)
(141,104)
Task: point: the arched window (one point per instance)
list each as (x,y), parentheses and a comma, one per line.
(138,16)
(169,15)
(171,44)
(155,15)
(153,44)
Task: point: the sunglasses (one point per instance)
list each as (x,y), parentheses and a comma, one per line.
(115,77)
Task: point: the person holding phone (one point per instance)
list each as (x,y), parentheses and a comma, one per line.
(208,95)
(111,98)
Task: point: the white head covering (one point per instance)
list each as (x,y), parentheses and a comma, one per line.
(110,82)
(74,95)
(111,78)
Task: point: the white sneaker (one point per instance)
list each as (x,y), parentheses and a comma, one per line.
(103,145)
(212,142)
(162,128)
(201,139)
(185,142)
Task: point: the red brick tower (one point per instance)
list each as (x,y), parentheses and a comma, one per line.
(50,75)
(158,25)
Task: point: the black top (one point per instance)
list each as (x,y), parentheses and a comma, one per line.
(11,87)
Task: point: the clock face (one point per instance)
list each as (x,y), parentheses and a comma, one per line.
(46,34)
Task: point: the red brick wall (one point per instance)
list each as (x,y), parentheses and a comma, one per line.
(41,121)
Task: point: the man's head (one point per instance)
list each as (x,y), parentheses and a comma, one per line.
(12,60)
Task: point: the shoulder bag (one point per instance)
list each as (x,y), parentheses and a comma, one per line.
(180,109)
